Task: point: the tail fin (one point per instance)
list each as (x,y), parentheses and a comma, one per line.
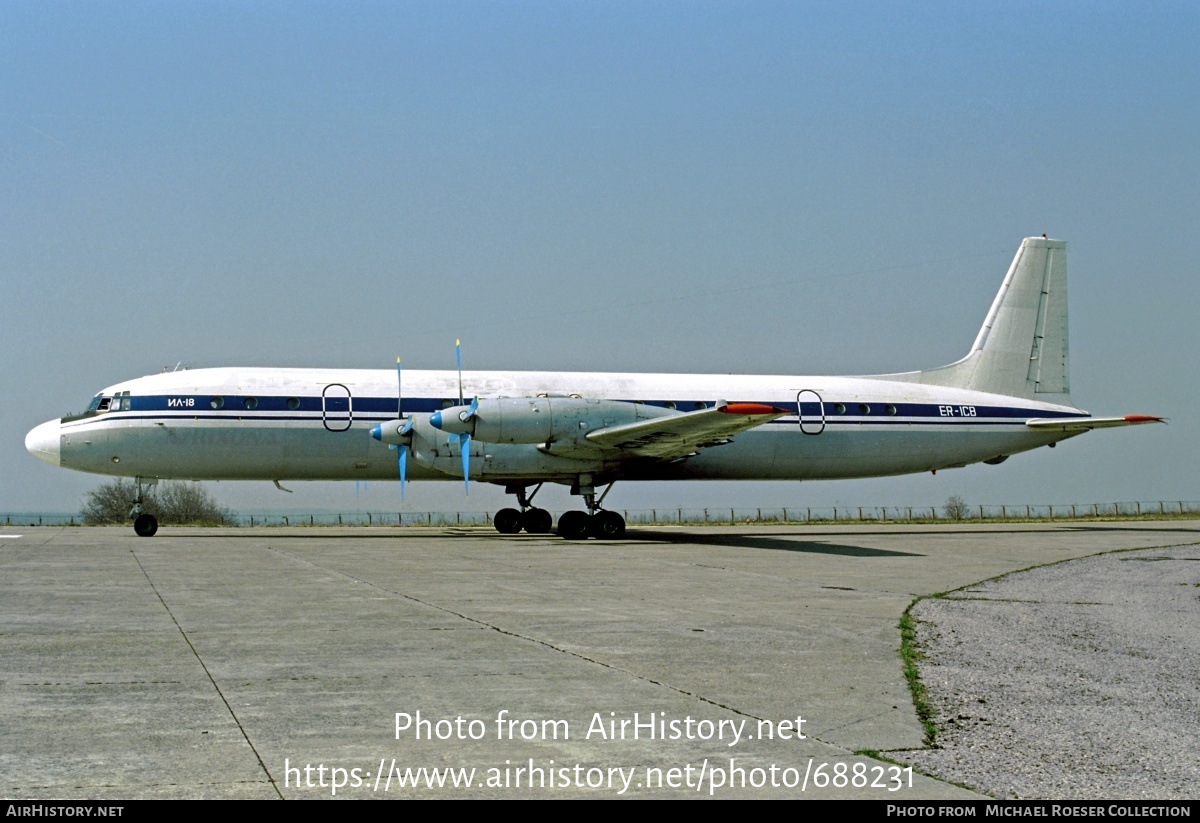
(1021,350)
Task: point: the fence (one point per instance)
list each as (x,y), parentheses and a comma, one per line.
(716,516)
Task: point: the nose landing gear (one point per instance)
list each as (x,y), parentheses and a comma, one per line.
(144,524)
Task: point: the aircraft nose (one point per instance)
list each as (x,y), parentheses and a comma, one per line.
(43,442)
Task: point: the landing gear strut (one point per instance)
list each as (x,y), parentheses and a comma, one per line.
(595,522)
(144,524)
(532,520)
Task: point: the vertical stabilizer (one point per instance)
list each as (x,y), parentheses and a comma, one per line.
(1021,350)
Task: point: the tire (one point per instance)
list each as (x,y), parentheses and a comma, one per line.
(145,525)
(608,525)
(574,525)
(507,521)
(537,521)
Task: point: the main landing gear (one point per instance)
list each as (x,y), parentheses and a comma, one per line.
(532,520)
(596,522)
(573,525)
(144,524)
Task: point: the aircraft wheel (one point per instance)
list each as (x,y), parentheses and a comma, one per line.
(507,521)
(574,525)
(537,521)
(145,525)
(608,525)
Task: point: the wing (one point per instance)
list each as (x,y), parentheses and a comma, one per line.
(1078,424)
(668,438)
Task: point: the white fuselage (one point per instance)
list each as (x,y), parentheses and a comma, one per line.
(314,424)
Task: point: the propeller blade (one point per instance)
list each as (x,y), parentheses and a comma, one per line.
(399,391)
(464,445)
(402,460)
(458,358)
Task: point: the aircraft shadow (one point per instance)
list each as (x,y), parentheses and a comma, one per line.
(769,543)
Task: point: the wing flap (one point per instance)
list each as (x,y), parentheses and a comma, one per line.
(666,438)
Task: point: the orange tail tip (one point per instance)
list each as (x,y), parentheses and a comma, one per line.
(751,409)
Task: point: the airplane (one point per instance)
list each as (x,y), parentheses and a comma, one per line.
(1009,394)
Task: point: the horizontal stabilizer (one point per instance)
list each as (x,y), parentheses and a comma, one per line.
(1078,424)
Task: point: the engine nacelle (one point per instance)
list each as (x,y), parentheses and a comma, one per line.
(432,449)
(540,419)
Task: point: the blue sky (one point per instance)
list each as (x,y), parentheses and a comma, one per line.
(794,188)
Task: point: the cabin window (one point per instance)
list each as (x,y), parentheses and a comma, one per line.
(890,409)
(863,408)
(217,402)
(293,403)
(839,408)
(700,404)
(670,404)
(449,404)
(250,403)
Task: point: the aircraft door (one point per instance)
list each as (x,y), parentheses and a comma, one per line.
(811,411)
(337,407)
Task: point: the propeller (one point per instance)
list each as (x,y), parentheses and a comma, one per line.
(401,450)
(401,439)
(464,439)
(398,434)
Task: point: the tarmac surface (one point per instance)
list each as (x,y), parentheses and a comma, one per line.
(352,663)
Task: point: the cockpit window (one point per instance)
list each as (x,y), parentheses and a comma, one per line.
(101,404)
